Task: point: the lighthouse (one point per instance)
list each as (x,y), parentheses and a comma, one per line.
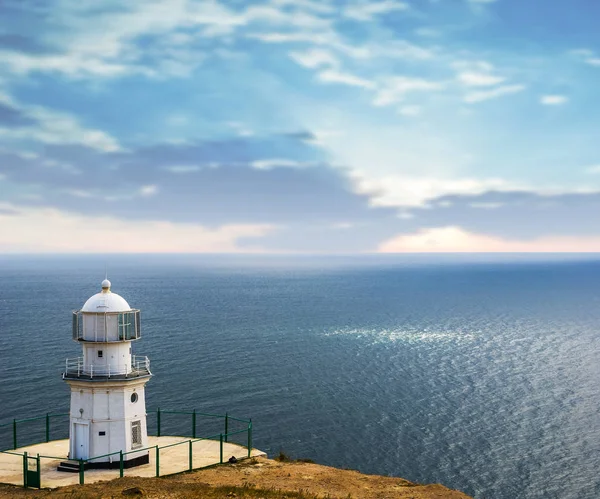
(108,405)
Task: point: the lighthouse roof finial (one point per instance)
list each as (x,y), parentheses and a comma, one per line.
(106,286)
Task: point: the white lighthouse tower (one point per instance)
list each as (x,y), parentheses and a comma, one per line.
(108,407)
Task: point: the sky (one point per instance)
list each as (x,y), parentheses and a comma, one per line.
(299,126)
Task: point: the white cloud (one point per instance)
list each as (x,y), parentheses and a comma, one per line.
(587,56)
(335,76)
(553,100)
(366,10)
(315,58)
(320,6)
(486,206)
(393,90)
(56,127)
(452,239)
(482,1)
(183,168)
(148,190)
(484,95)
(409,110)
(403,190)
(593,169)
(269,164)
(475,79)
(43,230)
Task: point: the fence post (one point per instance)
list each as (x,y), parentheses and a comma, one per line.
(250,438)
(14,433)
(81,473)
(194,424)
(226,426)
(158,422)
(47,427)
(25,467)
(191,463)
(221,448)
(157,461)
(121,463)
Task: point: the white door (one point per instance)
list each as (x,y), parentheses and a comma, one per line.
(82,440)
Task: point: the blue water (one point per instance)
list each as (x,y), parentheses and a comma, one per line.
(484,377)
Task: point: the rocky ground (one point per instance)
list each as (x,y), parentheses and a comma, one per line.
(254,478)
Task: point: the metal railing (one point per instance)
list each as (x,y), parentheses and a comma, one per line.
(75,367)
(226,434)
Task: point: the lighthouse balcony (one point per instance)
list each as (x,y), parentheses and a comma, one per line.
(76,368)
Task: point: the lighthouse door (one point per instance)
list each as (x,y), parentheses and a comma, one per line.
(81,441)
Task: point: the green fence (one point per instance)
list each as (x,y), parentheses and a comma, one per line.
(29,431)
(198,429)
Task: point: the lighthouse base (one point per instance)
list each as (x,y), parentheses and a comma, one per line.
(73,466)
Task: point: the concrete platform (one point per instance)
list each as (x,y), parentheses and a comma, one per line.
(172,460)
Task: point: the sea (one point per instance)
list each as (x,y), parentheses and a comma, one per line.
(481,374)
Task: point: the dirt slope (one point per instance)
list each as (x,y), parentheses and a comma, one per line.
(256,478)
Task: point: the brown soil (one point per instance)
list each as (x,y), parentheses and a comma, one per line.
(254,478)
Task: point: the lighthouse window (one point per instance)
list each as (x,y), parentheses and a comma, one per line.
(100,354)
(129,325)
(136,434)
(134,398)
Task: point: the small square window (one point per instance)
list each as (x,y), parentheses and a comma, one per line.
(102,433)
(100,354)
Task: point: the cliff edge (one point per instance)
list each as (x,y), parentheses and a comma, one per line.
(254,478)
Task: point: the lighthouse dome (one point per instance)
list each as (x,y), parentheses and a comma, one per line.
(106,301)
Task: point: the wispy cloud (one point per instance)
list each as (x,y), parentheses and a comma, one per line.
(269,164)
(394,89)
(594,170)
(335,76)
(315,58)
(97,234)
(56,127)
(409,110)
(456,239)
(553,100)
(405,190)
(366,10)
(484,95)
(474,79)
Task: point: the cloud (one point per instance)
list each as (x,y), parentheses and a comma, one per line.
(553,100)
(485,95)
(55,127)
(453,239)
(335,76)
(45,230)
(183,168)
(587,56)
(11,116)
(367,10)
(315,58)
(479,79)
(409,110)
(148,190)
(269,164)
(395,89)
(593,169)
(404,191)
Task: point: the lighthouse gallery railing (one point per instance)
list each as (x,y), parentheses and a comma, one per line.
(140,366)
